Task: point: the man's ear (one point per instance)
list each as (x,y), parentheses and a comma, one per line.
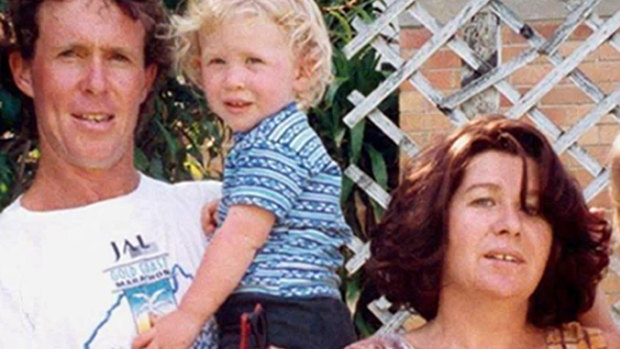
(150,75)
(22,73)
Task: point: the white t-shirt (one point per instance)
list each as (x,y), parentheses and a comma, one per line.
(88,277)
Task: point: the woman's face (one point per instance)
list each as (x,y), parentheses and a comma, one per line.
(495,247)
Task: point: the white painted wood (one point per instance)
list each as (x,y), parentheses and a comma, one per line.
(370,187)
(575,18)
(426,51)
(587,122)
(564,68)
(364,38)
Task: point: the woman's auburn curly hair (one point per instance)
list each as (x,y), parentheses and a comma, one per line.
(409,244)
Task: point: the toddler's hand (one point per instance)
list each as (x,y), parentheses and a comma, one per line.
(209,217)
(176,330)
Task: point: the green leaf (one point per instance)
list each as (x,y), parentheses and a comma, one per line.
(345,26)
(10,108)
(140,160)
(377,163)
(333,89)
(156,168)
(357,141)
(347,189)
(170,141)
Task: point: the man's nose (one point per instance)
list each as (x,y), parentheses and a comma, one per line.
(95,79)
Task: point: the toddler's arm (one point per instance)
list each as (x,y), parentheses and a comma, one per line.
(224,263)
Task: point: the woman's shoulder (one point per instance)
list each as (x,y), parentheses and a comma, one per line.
(384,341)
(573,335)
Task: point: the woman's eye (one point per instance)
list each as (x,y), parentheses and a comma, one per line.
(67,53)
(483,202)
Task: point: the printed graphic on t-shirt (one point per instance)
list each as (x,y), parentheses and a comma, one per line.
(152,294)
(146,281)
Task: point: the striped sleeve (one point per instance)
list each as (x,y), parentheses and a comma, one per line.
(267,175)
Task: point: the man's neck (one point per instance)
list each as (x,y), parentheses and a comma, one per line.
(62,187)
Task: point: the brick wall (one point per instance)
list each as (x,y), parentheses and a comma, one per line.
(564,104)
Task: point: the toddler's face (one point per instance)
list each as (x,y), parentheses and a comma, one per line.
(248,71)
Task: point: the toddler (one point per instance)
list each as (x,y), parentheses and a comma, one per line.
(261,64)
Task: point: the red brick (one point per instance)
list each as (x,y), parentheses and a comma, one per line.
(608,132)
(414,37)
(444,58)
(504,102)
(545,29)
(506,34)
(601,200)
(568,47)
(565,116)
(511,37)
(590,137)
(530,75)
(568,161)
(419,138)
(407,53)
(608,52)
(443,79)
(601,71)
(609,87)
(510,52)
(406,86)
(561,95)
(582,176)
(424,122)
(412,102)
(582,32)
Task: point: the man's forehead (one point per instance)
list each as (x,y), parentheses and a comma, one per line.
(93,20)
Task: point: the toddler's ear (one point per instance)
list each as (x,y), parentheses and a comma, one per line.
(303,74)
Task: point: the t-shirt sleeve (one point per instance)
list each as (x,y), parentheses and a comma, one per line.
(267,175)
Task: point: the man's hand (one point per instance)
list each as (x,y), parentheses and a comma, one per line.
(177,330)
(209,217)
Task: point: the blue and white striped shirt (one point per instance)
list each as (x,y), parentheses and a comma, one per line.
(282,166)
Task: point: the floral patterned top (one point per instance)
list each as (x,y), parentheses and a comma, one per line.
(569,336)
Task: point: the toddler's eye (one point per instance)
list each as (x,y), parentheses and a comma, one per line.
(216,61)
(254,60)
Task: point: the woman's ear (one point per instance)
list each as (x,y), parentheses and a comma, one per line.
(22,73)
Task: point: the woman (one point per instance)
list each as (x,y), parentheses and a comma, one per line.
(490,240)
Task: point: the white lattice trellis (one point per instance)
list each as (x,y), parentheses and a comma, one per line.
(564,141)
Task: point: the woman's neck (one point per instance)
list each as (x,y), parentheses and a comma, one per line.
(465,322)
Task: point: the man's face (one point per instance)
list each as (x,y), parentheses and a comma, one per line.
(87,79)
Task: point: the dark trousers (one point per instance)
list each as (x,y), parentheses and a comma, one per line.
(293,323)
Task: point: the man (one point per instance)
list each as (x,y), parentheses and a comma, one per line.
(93,251)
